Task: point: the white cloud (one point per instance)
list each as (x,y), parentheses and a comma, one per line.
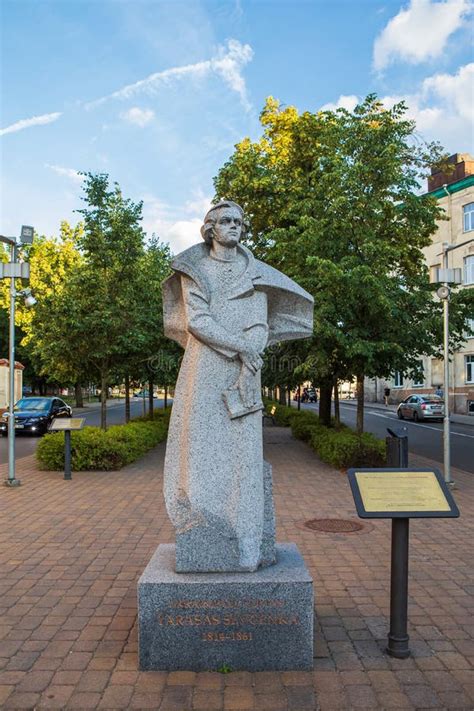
(66,172)
(139,117)
(169,223)
(183,234)
(344,102)
(228,63)
(199,204)
(456,91)
(419,32)
(441,107)
(426,117)
(34,121)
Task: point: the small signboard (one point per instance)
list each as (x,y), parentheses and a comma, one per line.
(401,493)
(67,423)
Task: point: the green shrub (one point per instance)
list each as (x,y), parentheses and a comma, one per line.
(344,448)
(304,424)
(282,414)
(337,445)
(95,449)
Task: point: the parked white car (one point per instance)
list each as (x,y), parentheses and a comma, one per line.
(421,407)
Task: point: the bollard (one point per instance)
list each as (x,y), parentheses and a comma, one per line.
(397,447)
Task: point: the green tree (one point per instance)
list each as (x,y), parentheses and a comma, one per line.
(53,262)
(148,358)
(333,201)
(104,297)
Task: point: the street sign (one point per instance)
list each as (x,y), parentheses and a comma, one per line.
(14,270)
(27,234)
(401,493)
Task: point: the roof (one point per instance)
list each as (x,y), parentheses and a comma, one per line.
(5,362)
(453,187)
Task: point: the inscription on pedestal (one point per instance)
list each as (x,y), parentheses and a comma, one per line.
(258,621)
(242,624)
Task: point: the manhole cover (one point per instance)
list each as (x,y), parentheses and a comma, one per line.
(333,525)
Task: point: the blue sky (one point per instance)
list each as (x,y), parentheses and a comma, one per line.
(157,93)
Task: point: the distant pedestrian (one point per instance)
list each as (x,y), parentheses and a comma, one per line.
(386,395)
(439,391)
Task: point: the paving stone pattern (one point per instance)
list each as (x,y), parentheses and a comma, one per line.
(71,553)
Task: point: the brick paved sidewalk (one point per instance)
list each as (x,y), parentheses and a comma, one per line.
(71,553)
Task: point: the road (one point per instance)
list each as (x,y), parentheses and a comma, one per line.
(25,444)
(424,438)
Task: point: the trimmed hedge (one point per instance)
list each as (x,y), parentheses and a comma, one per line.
(345,449)
(283,414)
(94,449)
(337,445)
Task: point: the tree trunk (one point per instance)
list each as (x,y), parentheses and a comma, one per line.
(325,392)
(150,399)
(127,397)
(165,404)
(289,396)
(103,401)
(281,395)
(337,413)
(78,395)
(299,397)
(360,403)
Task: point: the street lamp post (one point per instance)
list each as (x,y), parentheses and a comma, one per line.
(11,271)
(11,481)
(447,276)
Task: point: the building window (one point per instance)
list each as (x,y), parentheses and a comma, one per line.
(468,217)
(469,360)
(419,379)
(470,328)
(398,379)
(469,270)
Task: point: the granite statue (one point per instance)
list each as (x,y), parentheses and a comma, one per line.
(224,307)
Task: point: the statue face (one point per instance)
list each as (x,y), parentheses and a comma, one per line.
(228,227)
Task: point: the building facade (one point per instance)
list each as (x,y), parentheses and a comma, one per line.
(5,382)
(455,193)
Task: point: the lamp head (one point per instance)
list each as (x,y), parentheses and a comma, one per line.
(30,300)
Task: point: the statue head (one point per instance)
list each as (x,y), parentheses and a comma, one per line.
(230,212)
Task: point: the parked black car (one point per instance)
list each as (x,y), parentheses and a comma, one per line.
(34,415)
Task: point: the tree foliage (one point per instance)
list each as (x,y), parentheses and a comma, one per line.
(98,316)
(333,201)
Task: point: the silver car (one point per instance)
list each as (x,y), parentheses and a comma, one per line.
(421,407)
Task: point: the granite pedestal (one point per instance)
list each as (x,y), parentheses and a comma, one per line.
(257,621)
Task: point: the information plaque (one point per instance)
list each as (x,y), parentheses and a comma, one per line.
(401,493)
(67,423)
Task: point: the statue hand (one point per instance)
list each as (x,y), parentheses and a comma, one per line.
(251,360)
(246,385)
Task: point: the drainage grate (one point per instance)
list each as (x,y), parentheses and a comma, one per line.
(334,525)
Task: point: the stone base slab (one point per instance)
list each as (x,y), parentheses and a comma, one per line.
(258,621)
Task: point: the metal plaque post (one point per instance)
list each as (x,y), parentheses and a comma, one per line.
(67,455)
(397,456)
